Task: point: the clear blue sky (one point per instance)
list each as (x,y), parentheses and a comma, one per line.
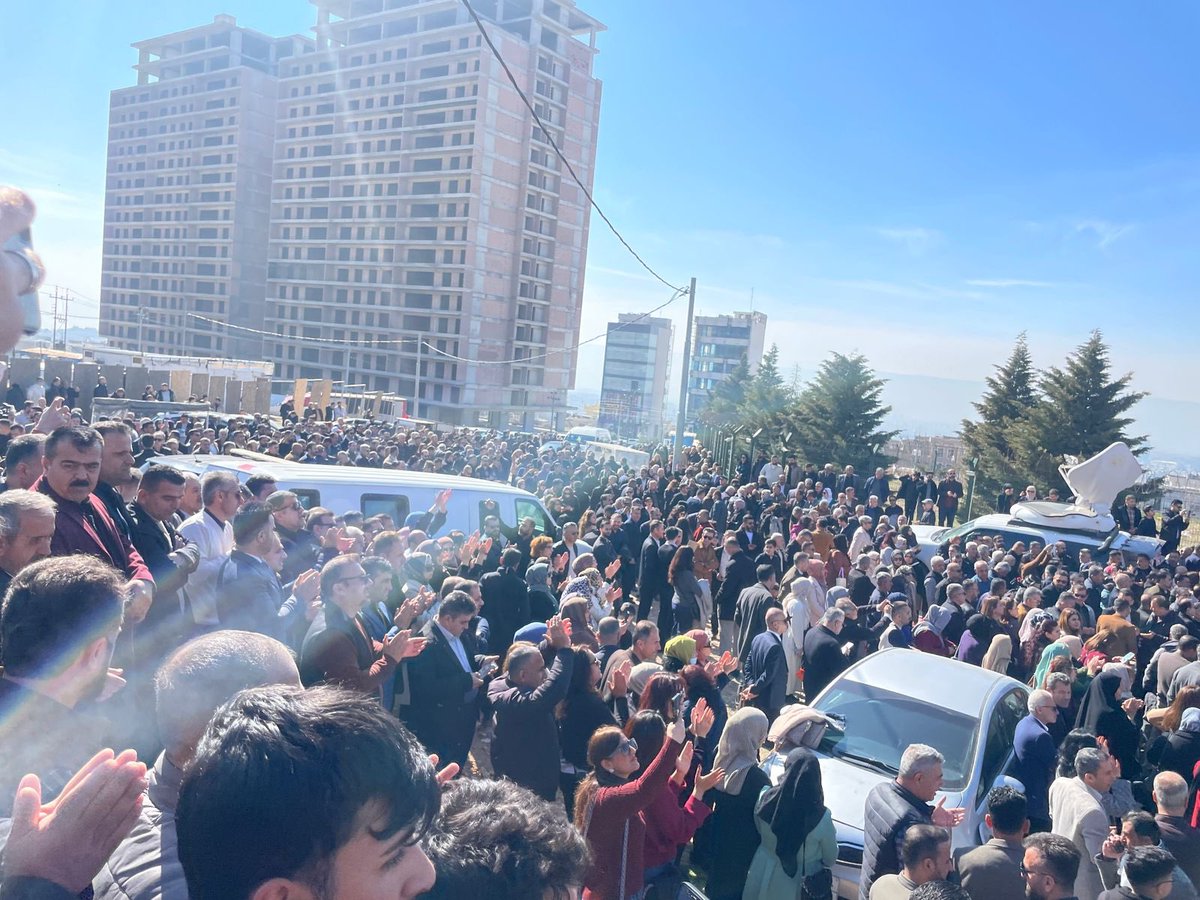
(917,181)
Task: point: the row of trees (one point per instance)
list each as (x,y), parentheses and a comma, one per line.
(836,417)
(1027,421)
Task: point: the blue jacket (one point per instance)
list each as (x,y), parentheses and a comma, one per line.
(766,672)
(1034,764)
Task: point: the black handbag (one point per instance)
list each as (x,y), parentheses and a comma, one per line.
(818,886)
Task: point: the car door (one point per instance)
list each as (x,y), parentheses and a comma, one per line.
(997,748)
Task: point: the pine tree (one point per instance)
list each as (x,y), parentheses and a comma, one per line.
(766,399)
(1082,411)
(1005,405)
(838,416)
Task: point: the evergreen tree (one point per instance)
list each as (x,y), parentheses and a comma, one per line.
(1082,410)
(1005,405)
(838,416)
(727,400)
(766,398)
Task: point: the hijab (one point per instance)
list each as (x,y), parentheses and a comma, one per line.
(537,577)
(1100,700)
(415,567)
(578,585)
(737,751)
(937,619)
(794,807)
(679,649)
(594,579)
(1055,649)
(575,610)
(999,654)
(1030,622)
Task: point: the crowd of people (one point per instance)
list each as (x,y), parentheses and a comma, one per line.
(322,703)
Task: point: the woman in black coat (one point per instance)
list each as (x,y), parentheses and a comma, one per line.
(1102,713)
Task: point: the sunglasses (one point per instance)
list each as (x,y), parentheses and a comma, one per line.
(628,745)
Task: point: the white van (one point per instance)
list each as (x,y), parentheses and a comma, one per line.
(343,489)
(585,434)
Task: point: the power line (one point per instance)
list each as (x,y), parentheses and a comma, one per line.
(549,137)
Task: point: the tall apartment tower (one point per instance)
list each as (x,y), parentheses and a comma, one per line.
(637,371)
(418,208)
(188,192)
(379,200)
(718,345)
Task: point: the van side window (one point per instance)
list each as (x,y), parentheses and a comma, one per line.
(527,508)
(308,498)
(394,505)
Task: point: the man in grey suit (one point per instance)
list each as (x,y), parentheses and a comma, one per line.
(993,871)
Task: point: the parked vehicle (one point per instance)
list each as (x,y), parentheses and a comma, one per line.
(375,491)
(585,434)
(897,697)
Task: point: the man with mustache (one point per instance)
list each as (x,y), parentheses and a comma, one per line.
(83,524)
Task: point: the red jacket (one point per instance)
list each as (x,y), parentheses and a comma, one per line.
(616,831)
(74,534)
(669,826)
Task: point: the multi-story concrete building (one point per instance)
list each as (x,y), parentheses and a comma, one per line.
(637,371)
(188,192)
(718,345)
(424,239)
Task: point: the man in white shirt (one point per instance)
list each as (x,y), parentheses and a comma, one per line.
(772,471)
(211,531)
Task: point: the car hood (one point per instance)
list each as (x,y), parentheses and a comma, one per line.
(846,787)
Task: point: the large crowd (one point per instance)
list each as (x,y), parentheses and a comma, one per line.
(318,703)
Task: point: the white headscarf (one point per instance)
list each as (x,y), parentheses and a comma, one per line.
(737,751)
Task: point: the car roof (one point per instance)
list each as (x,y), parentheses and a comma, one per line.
(337,474)
(931,679)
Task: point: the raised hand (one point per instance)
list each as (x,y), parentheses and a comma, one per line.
(560,562)
(683,762)
(68,840)
(557,633)
(307,586)
(402,645)
(947,818)
(409,610)
(702,718)
(618,681)
(612,569)
(52,417)
(729,662)
(446,775)
(704,783)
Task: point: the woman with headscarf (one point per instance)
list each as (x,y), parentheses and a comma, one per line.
(1107,712)
(415,577)
(928,637)
(799,843)
(1044,648)
(542,602)
(574,609)
(730,835)
(601,593)
(682,576)
(975,640)
(1179,751)
(680,651)
(999,654)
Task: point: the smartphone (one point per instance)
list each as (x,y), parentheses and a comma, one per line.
(677,703)
(21,244)
(488,670)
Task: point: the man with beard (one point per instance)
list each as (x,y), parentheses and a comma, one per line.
(1050,867)
(58,626)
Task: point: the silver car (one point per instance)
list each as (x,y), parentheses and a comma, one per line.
(894,698)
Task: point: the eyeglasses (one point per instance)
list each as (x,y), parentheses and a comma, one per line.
(1027,872)
(628,745)
(322,525)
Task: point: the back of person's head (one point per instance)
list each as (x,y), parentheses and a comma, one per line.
(205,673)
(1171,793)
(510,558)
(1089,760)
(649,730)
(1075,741)
(939,890)
(1008,809)
(520,655)
(497,840)
(609,630)
(284,779)
(250,522)
(765,572)
(1060,857)
(22,449)
(1148,867)
(55,612)
(921,842)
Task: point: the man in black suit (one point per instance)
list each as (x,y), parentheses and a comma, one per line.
(950,491)
(766,667)
(170,557)
(749,537)
(750,613)
(666,613)
(651,574)
(823,657)
(505,600)
(446,679)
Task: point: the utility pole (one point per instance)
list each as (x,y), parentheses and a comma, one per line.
(66,316)
(416,414)
(681,419)
(54,319)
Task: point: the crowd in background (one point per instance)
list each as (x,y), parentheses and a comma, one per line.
(516,713)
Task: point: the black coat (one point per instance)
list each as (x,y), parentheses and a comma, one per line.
(651,574)
(444,705)
(750,615)
(250,598)
(766,673)
(156,542)
(739,575)
(823,660)
(505,606)
(890,810)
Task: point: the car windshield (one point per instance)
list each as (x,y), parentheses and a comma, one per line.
(873,726)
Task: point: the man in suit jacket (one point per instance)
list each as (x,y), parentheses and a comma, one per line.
(249,594)
(446,681)
(651,574)
(170,557)
(878,485)
(766,667)
(846,480)
(750,614)
(505,600)
(993,871)
(823,657)
(672,537)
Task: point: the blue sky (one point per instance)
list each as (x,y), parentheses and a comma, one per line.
(916,181)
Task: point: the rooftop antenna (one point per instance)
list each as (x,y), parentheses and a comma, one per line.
(751,299)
